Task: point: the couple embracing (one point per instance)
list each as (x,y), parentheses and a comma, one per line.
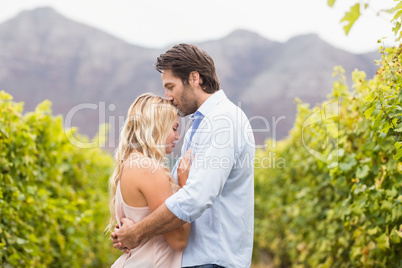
(201,213)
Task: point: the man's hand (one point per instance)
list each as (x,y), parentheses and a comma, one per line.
(125,238)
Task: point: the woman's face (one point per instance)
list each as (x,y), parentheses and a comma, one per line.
(173,136)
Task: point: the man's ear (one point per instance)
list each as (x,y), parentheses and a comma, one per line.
(195,79)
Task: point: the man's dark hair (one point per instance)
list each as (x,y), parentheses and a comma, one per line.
(183,59)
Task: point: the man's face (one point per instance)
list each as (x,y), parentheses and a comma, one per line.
(182,96)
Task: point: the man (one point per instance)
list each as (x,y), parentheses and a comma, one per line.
(218,198)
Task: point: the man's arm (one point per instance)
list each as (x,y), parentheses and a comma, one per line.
(130,234)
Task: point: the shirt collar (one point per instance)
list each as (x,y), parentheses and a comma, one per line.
(209,104)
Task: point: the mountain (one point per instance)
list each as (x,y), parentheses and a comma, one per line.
(46,56)
(92,77)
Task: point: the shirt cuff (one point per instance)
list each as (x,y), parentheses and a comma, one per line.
(175,208)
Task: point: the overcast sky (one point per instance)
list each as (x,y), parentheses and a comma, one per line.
(161,23)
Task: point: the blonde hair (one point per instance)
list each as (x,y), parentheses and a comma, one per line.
(149,121)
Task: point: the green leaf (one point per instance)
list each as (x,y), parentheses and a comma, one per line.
(383,241)
(369,111)
(398,154)
(397,7)
(372,231)
(398,145)
(350,17)
(362,172)
(394,236)
(347,166)
(21,241)
(385,128)
(399,233)
(397,27)
(397,15)
(331,2)
(386,206)
(370,97)
(392,193)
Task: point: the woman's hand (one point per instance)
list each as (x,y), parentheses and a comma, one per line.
(184,169)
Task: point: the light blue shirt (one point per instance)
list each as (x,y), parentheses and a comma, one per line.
(218,198)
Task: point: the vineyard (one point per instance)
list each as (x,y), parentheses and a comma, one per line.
(337,203)
(53,195)
(334,201)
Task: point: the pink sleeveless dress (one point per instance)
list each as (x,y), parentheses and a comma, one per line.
(152,253)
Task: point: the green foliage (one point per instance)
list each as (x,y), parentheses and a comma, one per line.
(331,2)
(355,12)
(53,195)
(340,206)
(350,17)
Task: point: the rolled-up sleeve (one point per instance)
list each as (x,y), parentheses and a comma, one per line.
(214,153)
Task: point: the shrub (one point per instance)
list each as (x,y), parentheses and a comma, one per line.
(53,195)
(337,203)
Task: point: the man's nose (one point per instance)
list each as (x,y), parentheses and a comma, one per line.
(168,96)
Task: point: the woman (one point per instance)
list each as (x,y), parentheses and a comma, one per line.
(141,181)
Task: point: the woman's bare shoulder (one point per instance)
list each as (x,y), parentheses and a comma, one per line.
(137,166)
